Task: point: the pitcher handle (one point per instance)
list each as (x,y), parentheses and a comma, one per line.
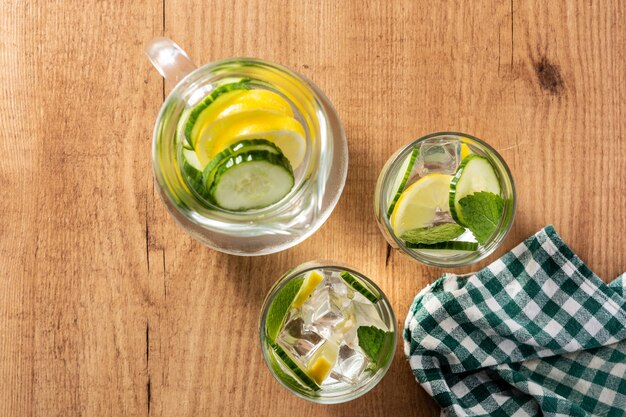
(169,59)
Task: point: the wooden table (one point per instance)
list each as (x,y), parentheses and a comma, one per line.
(108,309)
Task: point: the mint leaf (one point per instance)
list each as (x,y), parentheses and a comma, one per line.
(435,234)
(371,340)
(482,212)
(449,245)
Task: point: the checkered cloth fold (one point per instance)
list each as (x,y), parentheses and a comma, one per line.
(534,333)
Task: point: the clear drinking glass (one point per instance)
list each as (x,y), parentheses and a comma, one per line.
(385,192)
(319,179)
(353,373)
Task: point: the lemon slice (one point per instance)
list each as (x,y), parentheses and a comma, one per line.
(310,283)
(465,151)
(239,101)
(302,96)
(251,100)
(284,131)
(320,369)
(322,362)
(193,114)
(211,113)
(420,203)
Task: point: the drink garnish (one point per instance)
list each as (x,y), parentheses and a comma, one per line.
(482,212)
(358,286)
(371,340)
(295,368)
(280,307)
(310,283)
(435,234)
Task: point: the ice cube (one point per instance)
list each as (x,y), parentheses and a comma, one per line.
(337,285)
(302,342)
(442,217)
(310,306)
(329,381)
(440,155)
(339,295)
(351,362)
(326,314)
(367,315)
(349,333)
(323,311)
(346,329)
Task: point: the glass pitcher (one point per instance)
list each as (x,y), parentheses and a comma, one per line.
(318,179)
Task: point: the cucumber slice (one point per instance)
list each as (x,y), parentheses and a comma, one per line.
(475,173)
(295,368)
(251,180)
(181,138)
(233,150)
(200,107)
(190,156)
(193,178)
(192,172)
(451,245)
(281,373)
(358,286)
(407,167)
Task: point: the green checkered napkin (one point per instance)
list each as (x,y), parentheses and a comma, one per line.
(535,333)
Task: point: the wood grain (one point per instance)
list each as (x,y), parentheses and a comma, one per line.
(108,309)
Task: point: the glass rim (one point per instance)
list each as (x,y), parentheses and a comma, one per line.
(499,235)
(297,271)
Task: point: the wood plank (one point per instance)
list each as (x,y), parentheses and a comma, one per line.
(76,114)
(107,308)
